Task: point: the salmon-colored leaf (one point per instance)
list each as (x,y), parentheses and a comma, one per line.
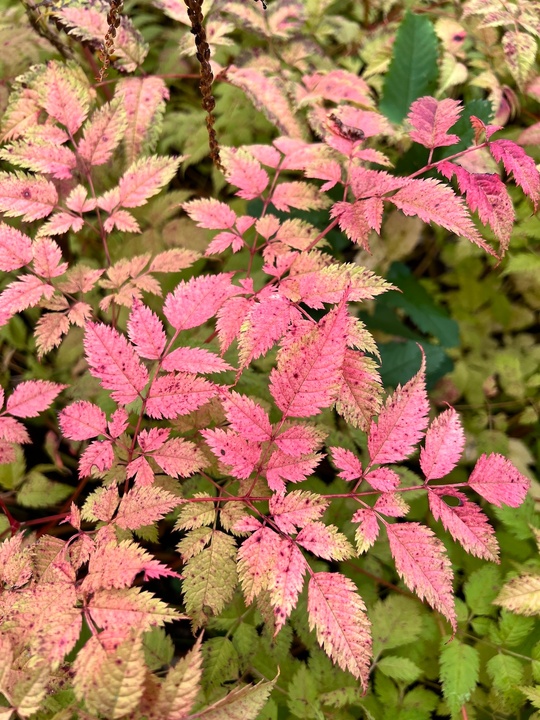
(338,615)
(421,561)
(498,481)
(113,360)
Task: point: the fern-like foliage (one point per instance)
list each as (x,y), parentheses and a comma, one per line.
(158,403)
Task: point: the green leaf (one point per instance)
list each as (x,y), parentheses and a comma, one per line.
(420,306)
(418,704)
(158,648)
(533,694)
(12,474)
(482,588)
(460,665)
(342,697)
(220,662)
(512,629)
(413,70)
(400,361)
(519,520)
(303,694)
(38,491)
(395,621)
(240,704)
(210,578)
(246,642)
(399,668)
(505,672)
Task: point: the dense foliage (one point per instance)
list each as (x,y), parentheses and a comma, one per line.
(237,313)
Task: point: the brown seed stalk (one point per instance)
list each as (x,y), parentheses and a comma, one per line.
(207,77)
(113,21)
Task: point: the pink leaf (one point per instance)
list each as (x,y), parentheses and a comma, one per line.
(486,193)
(247,417)
(115,566)
(359,396)
(15,248)
(112,359)
(256,558)
(232,450)
(59,223)
(177,394)
(300,440)
(13,431)
(265,324)
(434,202)
(153,439)
(347,463)
(173,260)
(41,157)
(194,302)
(143,99)
(496,480)
(145,178)
(47,257)
(431,120)
(64,97)
(143,506)
(211,214)
(517,162)
(230,317)
(145,331)
(354,220)
(118,423)
(78,200)
(82,420)
(337,613)
(328,284)
(179,458)
(32,397)
(401,423)
(465,522)
(27,196)
(329,170)
(123,220)
(297,508)
(307,375)
(194,360)
(325,541)
(422,563)
(367,183)
(243,171)
(286,580)
(391,504)
(99,454)
(79,313)
(383,479)
(367,531)
(140,468)
(103,133)
(265,154)
(337,86)
(102,503)
(21,294)
(299,195)
(224,240)
(443,446)
(282,467)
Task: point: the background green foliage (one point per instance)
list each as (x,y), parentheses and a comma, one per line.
(477,321)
